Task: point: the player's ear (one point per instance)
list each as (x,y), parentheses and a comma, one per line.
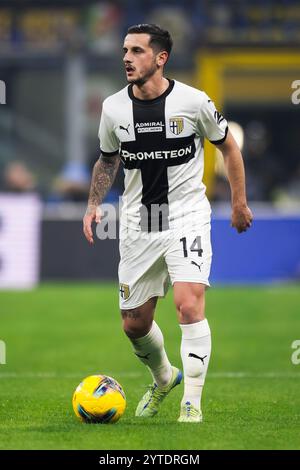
(161,58)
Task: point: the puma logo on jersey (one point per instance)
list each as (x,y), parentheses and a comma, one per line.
(196,264)
(125,128)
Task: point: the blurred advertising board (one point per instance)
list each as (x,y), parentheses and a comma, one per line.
(20,220)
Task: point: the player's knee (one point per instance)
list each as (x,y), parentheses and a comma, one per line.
(190,310)
(187,312)
(134,330)
(134,327)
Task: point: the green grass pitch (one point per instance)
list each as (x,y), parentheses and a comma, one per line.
(58,334)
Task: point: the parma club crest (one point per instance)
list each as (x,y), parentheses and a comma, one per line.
(176,125)
(124,291)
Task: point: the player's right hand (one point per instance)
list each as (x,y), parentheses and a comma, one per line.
(241,218)
(93,214)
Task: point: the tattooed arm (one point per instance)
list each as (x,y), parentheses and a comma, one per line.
(104,173)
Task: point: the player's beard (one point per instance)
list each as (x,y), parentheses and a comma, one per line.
(145,77)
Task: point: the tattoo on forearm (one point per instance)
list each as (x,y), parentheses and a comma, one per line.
(104,173)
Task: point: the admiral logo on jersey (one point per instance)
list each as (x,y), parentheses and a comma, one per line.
(142,127)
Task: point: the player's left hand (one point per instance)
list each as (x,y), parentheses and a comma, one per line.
(241,218)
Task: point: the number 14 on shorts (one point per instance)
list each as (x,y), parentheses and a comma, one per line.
(195,246)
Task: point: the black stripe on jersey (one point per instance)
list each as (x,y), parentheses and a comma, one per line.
(154,167)
(154,174)
(154,100)
(218,142)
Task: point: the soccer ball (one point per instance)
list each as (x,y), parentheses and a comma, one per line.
(99,399)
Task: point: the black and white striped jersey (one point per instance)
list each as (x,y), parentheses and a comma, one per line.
(160,142)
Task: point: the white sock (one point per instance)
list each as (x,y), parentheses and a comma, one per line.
(195,355)
(150,350)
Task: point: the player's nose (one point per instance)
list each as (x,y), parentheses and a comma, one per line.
(126,58)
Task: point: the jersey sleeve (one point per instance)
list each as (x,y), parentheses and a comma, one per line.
(210,122)
(109,143)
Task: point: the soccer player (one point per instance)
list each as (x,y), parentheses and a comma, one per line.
(156,127)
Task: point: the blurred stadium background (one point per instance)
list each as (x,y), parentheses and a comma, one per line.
(60,59)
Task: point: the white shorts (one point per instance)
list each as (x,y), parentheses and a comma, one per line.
(149,261)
